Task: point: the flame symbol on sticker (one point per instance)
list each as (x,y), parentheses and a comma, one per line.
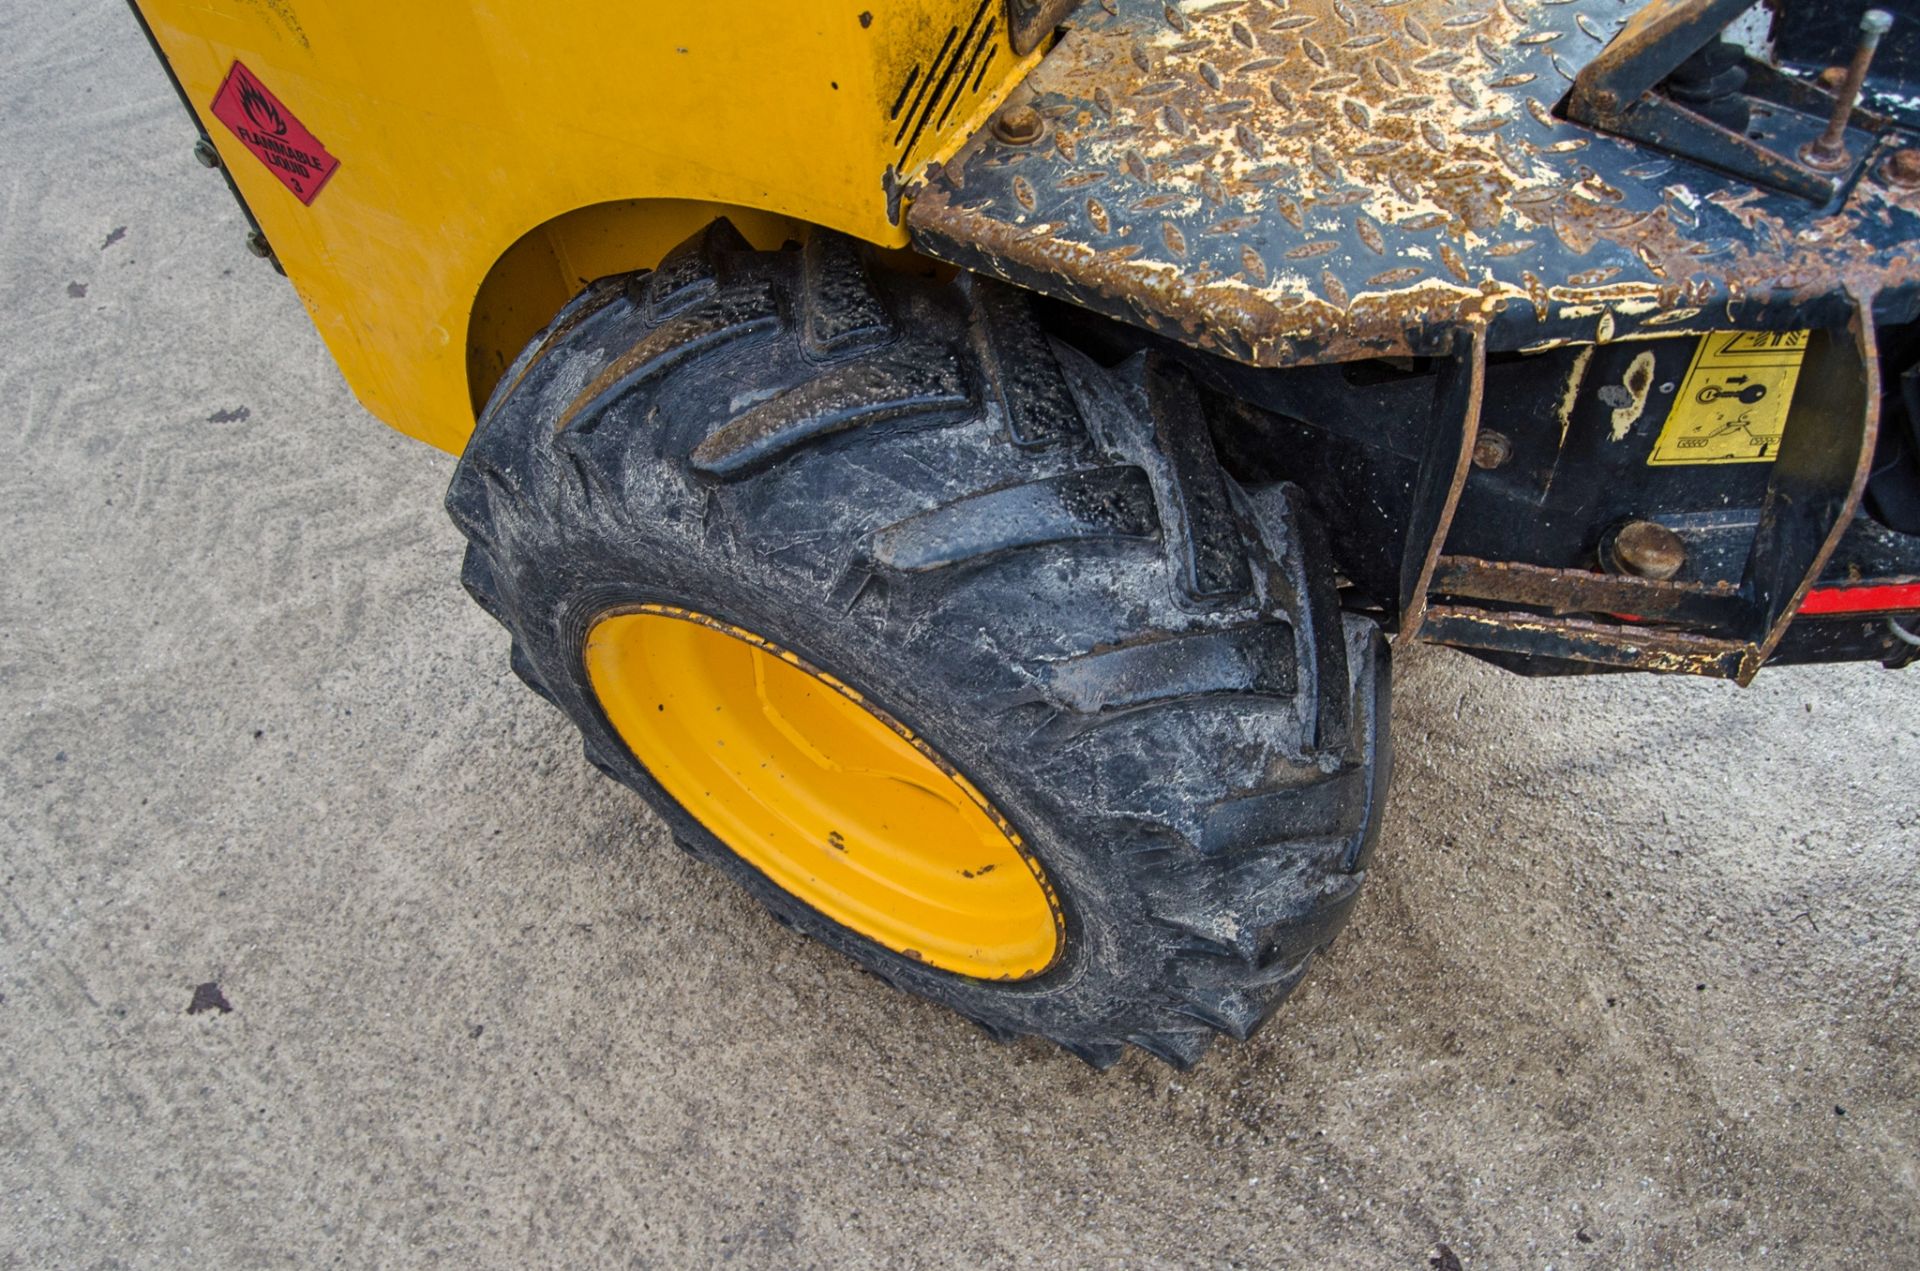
(260,110)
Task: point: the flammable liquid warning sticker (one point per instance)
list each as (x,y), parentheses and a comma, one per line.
(267,128)
(1732,407)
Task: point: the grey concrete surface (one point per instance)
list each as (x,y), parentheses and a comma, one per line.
(1633,983)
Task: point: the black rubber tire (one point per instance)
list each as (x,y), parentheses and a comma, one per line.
(1036,563)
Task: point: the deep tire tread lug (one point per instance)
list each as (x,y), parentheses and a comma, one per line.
(1165,433)
(692,270)
(842,311)
(1097,503)
(1240,1010)
(739,314)
(1248,661)
(1017,360)
(1181,1049)
(905,384)
(522,667)
(476,575)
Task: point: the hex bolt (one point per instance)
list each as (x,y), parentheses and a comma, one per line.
(1829,152)
(1491,450)
(258,245)
(1645,549)
(205,154)
(1903,168)
(1018,125)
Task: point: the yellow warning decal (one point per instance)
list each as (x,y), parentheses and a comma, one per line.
(1732,407)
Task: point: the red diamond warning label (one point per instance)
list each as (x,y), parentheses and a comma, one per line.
(265,126)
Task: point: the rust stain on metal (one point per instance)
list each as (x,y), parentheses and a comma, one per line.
(1414,610)
(1573,590)
(1644,649)
(1903,168)
(1349,180)
(1866,358)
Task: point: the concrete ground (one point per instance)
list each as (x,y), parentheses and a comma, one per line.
(1632,984)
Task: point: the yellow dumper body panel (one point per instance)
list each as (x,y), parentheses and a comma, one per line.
(493,156)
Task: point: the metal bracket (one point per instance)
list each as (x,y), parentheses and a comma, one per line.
(1030,21)
(1459,393)
(1825,458)
(1615,93)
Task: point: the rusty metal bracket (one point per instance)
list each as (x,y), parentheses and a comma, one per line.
(1459,394)
(1583,640)
(1030,21)
(1615,92)
(1579,591)
(1825,458)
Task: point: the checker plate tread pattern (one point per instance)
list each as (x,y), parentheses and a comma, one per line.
(1297,181)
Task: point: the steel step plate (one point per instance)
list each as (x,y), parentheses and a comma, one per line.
(1294,181)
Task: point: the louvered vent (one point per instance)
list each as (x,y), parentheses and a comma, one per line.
(937,87)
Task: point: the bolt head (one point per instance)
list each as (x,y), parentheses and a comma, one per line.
(1832,78)
(1903,167)
(205,155)
(1491,450)
(1876,22)
(1644,549)
(1018,125)
(257,244)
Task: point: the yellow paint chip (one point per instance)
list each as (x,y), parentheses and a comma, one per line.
(1639,383)
(1571,396)
(1732,406)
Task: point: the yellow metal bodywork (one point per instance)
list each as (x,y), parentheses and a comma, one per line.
(834,801)
(495,155)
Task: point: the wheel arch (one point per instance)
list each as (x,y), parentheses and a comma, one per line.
(580,129)
(549,264)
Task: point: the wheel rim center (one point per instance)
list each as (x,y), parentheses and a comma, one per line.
(832,799)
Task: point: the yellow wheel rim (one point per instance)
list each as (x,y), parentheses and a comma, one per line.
(835,801)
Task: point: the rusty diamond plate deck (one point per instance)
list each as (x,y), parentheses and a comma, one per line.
(1289,181)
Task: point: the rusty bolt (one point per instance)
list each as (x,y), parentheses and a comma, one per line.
(258,245)
(1491,450)
(1903,168)
(1018,125)
(1831,78)
(1644,549)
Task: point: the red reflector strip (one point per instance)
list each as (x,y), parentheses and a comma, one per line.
(1881,598)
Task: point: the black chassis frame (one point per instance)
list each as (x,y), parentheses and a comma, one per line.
(1470,479)
(1469,503)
